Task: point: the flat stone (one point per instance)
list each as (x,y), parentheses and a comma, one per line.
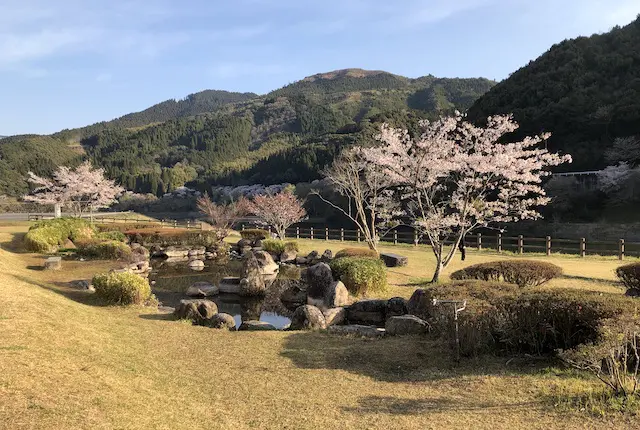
(229,285)
(53,263)
(370,312)
(307,317)
(197,265)
(222,321)
(202,289)
(356,330)
(394,260)
(256,326)
(406,325)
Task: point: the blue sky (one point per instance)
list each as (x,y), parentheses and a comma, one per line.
(69,63)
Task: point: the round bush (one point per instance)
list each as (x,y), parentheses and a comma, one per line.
(361,276)
(356,252)
(122,288)
(108,250)
(112,235)
(278,246)
(255,234)
(629,274)
(523,273)
(48,235)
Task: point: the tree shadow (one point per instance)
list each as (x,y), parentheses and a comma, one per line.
(15,245)
(397,406)
(66,290)
(161,316)
(593,280)
(398,359)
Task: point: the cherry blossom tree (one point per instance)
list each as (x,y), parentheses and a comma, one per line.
(223,216)
(82,189)
(279,210)
(365,186)
(456,177)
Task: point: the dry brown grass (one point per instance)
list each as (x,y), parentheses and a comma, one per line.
(68,363)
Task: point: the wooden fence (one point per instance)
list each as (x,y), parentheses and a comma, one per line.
(498,242)
(165,223)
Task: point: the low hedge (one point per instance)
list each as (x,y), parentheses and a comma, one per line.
(523,273)
(48,235)
(503,318)
(629,274)
(122,288)
(361,276)
(104,249)
(112,235)
(172,237)
(277,246)
(255,234)
(356,252)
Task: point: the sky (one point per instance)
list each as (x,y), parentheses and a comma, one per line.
(70,63)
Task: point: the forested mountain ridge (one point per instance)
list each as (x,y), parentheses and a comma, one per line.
(586,91)
(286,135)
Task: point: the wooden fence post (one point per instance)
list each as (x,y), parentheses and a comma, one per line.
(297,232)
(548,245)
(269,230)
(242,227)
(342,235)
(395,237)
(479,241)
(311,230)
(520,244)
(583,247)
(499,245)
(415,238)
(621,250)
(326,233)
(175,224)
(358,234)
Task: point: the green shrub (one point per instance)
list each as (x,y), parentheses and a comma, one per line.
(356,252)
(524,273)
(107,250)
(278,246)
(122,288)
(629,274)
(112,235)
(255,234)
(361,276)
(47,236)
(173,237)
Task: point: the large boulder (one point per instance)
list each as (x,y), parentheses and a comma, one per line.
(202,289)
(266,263)
(288,256)
(222,321)
(405,324)
(294,295)
(252,283)
(368,312)
(334,316)
(229,285)
(244,243)
(139,253)
(396,306)
(394,260)
(307,318)
(197,311)
(313,257)
(420,303)
(256,326)
(356,330)
(302,261)
(327,256)
(323,291)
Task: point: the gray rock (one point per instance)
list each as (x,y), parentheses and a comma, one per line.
(327,256)
(53,263)
(256,326)
(295,294)
(202,289)
(420,304)
(266,263)
(301,261)
(288,256)
(244,243)
(335,316)
(356,330)
(396,306)
(307,318)
(221,321)
(252,283)
(336,295)
(176,252)
(369,312)
(229,285)
(197,265)
(196,252)
(394,260)
(405,325)
(197,311)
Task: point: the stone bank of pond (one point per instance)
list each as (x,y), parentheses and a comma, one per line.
(171,279)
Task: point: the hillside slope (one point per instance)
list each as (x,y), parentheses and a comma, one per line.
(586,91)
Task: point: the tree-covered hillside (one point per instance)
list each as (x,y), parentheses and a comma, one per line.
(586,91)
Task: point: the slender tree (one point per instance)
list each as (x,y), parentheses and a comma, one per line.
(221,216)
(279,210)
(456,177)
(82,189)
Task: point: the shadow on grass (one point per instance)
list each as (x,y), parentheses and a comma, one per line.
(16,244)
(593,280)
(162,316)
(397,359)
(397,406)
(66,290)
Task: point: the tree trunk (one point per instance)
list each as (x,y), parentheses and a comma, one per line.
(436,275)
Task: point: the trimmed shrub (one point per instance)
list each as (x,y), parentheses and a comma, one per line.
(278,246)
(112,235)
(122,288)
(255,234)
(361,276)
(523,273)
(629,274)
(47,236)
(356,252)
(172,237)
(107,250)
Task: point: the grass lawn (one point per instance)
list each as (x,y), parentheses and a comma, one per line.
(68,363)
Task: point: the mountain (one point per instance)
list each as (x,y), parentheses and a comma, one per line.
(586,91)
(287,135)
